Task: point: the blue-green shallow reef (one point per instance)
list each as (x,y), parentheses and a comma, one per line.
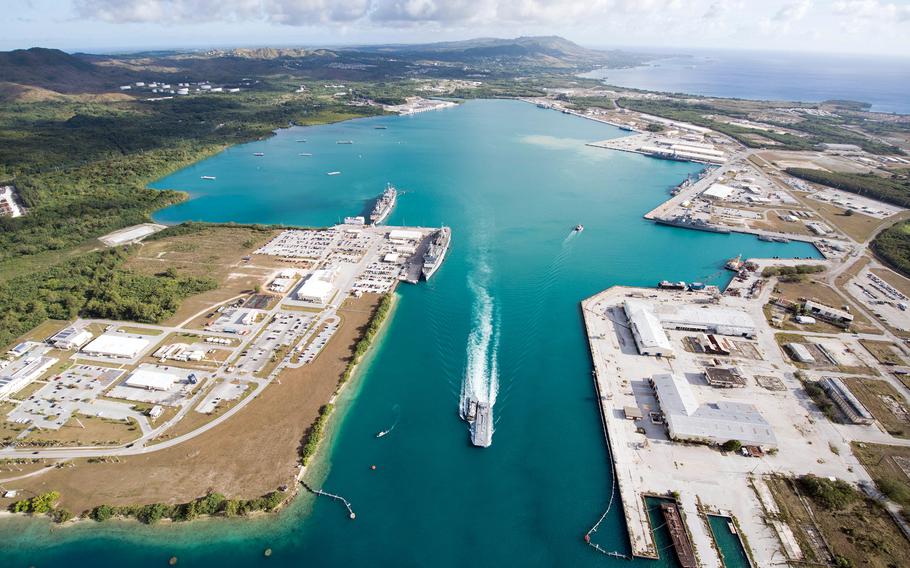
(511,180)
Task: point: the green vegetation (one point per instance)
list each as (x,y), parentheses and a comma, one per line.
(818,129)
(732,446)
(893,246)
(821,399)
(213,504)
(314,433)
(894,190)
(897,492)
(37,505)
(93,285)
(82,168)
(372,329)
(832,495)
(798,269)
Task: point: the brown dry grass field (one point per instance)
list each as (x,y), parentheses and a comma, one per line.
(872,393)
(823,293)
(96,432)
(857,226)
(252,453)
(862,532)
(214,252)
(884,352)
(881,463)
(772,222)
(193,420)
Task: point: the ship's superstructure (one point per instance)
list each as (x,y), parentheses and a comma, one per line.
(384,205)
(436,252)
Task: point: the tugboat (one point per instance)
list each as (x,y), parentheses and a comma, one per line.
(579,228)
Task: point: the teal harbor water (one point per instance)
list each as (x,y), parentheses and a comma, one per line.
(734,555)
(511,180)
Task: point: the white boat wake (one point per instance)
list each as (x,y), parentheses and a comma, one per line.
(481,379)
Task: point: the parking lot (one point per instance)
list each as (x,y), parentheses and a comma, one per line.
(285,329)
(74,391)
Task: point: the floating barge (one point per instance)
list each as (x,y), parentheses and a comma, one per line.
(681,543)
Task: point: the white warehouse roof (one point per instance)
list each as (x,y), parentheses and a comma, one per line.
(403,235)
(711,319)
(649,335)
(716,422)
(148,379)
(718,191)
(116,346)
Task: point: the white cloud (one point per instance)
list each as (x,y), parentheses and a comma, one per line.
(873,10)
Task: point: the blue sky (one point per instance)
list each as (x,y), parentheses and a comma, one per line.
(843,26)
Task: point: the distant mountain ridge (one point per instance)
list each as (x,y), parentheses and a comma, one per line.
(86,73)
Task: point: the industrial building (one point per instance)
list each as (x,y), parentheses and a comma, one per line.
(118,346)
(800,353)
(70,338)
(649,336)
(718,191)
(405,235)
(706,319)
(725,378)
(833,315)
(150,380)
(318,288)
(16,376)
(852,408)
(714,422)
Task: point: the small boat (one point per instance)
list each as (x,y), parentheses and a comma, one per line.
(333,173)
(302,140)
(381,434)
(208,177)
(344,142)
(579,228)
(259,153)
(380,127)
(731,526)
(305,154)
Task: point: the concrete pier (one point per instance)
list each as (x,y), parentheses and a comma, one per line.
(640,536)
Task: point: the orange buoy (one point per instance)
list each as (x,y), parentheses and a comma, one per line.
(587,538)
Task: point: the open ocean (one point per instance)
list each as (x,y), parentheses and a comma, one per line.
(512,181)
(883,82)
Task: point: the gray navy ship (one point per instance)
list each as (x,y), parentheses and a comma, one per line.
(479,415)
(689,222)
(384,205)
(436,252)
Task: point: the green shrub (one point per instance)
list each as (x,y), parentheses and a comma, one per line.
(832,495)
(101,513)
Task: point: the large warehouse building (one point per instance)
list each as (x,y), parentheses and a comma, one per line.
(706,319)
(118,346)
(714,422)
(649,336)
(150,380)
(70,338)
(318,288)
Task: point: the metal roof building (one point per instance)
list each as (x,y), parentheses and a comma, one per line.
(713,422)
(109,345)
(649,336)
(150,380)
(706,319)
(70,338)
